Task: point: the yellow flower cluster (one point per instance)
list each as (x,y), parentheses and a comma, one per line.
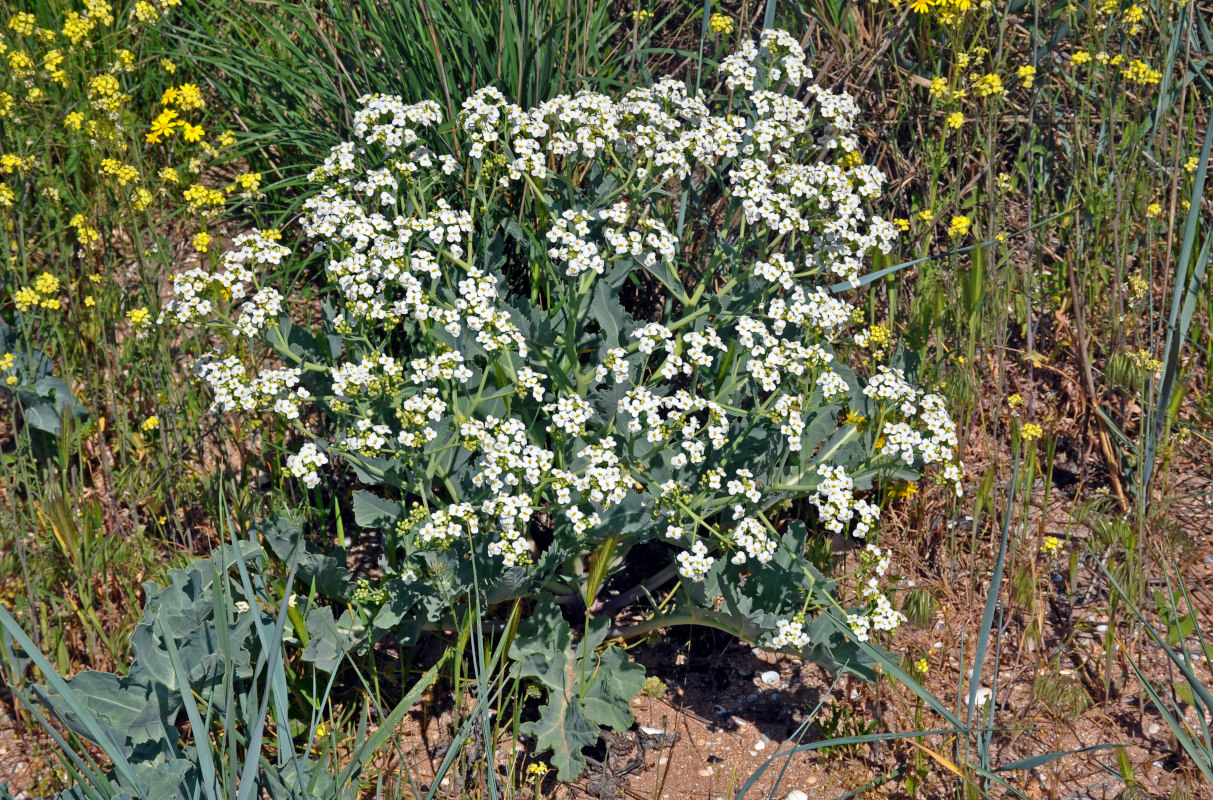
(720,23)
(248,183)
(87,235)
(123,173)
(948,12)
(1139,72)
(42,295)
(1031,432)
(988,85)
(203,200)
(959,226)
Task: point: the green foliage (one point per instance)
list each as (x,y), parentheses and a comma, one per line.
(587,687)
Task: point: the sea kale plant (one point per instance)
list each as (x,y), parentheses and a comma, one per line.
(563,338)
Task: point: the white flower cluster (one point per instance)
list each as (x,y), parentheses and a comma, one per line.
(196,291)
(305,465)
(547,410)
(752,542)
(790,634)
(837,505)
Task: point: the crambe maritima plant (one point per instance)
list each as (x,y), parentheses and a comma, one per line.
(670,368)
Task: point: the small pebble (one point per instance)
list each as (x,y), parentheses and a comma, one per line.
(705,773)
(796,794)
(773,696)
(1101,628)
(770,678)
(983,696)
(757,651)
(1153,729)
(760,745)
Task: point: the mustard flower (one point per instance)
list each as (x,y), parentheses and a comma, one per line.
(926,215)
(1031,432)
(169,175)
(721,24)
(959,226)
(46,283)
(145,12)
(22,23)
(74,120)
(1051,545)
(921,666)
(168,66)
(988,85)
(902,223)
(150,424)
(89,301)
(1153,211)
(1191,164)
(143,199)
(139,317)
(189,96)
(6,104)
(1080,58)
(939,87)
(956,120)
(25,298)
(1027,76)
(1139,72)
(202,241)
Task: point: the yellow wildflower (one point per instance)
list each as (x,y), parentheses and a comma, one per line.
(143,199)
(74,120)
(1051,545)
(1080,58)
(189,96)
(1031,432)
(139,317)
(202,241)
(25,298)
(959,226)
(46,283)
(7,196)
(721,24)
(1027,76)
(1015,400)
(89,302)
(168,66)
(169,175)
(22,23)
(145,12)
(988,85)
(926,215)
(902,223)
(150,424)
(226,139)
(1153,211)
(956,120)
(1191,164)
(1140,72)
(192,133)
